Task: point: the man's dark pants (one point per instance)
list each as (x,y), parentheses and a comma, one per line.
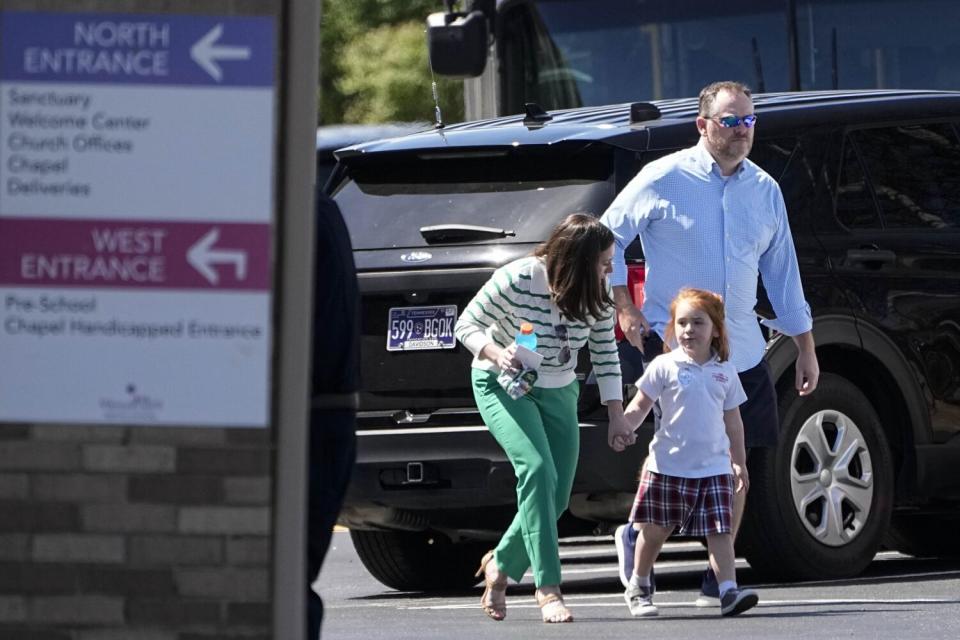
(335,381)
(332,453)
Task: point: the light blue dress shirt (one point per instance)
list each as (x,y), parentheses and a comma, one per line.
(700,229)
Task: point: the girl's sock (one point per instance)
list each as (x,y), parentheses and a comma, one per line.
(726,585)
(637,581)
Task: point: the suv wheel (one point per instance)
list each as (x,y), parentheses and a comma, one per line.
(418,561)
(819,501)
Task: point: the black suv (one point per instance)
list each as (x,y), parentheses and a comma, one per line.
(872,185)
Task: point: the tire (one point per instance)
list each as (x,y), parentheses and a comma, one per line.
(925,535)
(418,561)
(831,445)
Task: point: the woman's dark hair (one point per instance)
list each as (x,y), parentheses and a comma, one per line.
(572,257)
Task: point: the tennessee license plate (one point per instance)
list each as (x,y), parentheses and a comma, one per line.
(418,328)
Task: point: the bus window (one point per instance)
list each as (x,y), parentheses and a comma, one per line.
(572,53)
(593,53)
(540,72)
(889,44)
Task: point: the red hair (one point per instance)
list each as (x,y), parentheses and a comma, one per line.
(712,305)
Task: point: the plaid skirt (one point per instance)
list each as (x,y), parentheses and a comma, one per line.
(697,506)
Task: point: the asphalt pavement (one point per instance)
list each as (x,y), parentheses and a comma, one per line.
(897,597)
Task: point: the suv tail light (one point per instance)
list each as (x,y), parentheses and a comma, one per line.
(636,274)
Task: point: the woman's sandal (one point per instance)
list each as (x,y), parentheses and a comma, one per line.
(496,610)
(552,608)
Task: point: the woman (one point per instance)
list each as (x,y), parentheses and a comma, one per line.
(561,290)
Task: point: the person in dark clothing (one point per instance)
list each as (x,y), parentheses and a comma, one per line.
(336,363)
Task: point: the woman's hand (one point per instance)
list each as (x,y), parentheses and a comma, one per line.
(507,358)
(504,358)
(741,477)
(620,434)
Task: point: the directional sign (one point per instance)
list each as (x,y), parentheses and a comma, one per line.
(138,49)
(136,217)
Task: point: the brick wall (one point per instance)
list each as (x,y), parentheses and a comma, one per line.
(134,532)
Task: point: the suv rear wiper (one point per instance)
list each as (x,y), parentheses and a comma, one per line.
(461,232)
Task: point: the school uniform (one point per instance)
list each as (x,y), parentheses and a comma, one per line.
(688,481)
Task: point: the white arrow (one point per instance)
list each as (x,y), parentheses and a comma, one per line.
(201,256)
(205,52)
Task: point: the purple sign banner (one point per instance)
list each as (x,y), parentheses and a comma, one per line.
(235,51)
(134,254)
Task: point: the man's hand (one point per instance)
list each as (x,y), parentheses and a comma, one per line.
(632,322)
(807,367)
(741,478)
(634,326)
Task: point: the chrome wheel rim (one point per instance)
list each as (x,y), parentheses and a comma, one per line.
(831,478)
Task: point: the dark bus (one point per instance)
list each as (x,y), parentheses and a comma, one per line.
(571,53)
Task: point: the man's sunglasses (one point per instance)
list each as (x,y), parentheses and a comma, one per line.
(729,122)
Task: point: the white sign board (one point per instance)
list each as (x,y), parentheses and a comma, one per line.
(136,199)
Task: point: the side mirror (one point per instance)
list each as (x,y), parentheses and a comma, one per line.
(457,43)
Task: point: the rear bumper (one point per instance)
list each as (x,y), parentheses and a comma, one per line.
(429,468)
(419,478)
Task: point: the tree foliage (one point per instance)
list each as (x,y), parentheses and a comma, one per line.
(373,63)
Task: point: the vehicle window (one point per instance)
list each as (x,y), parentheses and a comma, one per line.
(795,168)
(853,204)
(386,203)
(773,155)
(637,49)
(892,44)
(915,173)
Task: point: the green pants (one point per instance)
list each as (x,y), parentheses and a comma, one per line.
(540,435)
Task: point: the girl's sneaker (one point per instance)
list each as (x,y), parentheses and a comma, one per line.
(736,601)
(640,602)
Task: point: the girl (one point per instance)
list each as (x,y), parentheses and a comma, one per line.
(696,456)
(561,290)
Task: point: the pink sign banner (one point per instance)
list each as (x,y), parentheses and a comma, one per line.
(134,254)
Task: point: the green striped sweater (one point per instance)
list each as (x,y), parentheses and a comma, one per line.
(518,292)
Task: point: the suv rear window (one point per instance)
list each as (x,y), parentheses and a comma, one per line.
(387,201)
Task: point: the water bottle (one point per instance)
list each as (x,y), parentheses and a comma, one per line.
(526,337)
(518,382)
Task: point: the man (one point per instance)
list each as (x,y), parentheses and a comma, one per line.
(709,218)
(336,365)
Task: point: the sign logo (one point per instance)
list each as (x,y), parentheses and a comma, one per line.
(134,405)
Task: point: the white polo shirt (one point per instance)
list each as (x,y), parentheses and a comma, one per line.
(692,439)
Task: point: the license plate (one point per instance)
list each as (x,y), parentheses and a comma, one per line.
(418,328)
